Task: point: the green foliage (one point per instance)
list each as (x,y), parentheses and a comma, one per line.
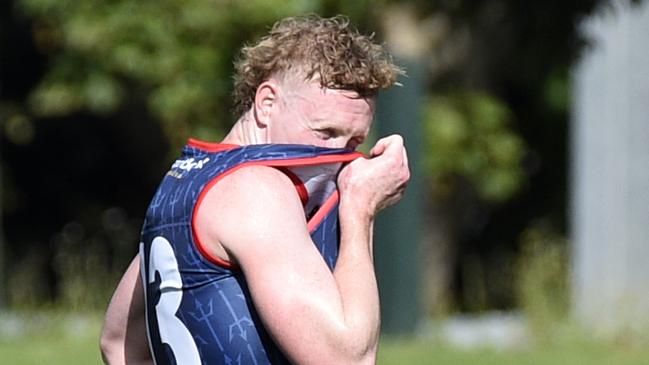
(542,280)
(556,91)
(176,55)
(90,256)
(469,135)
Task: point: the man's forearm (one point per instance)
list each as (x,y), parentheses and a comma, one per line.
(123,337)
(354,275)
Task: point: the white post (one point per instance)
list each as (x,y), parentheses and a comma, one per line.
(610,171)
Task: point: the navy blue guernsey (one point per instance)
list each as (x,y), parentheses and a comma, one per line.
(198,307)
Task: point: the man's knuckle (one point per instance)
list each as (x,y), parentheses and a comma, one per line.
(405,175)
(391,160)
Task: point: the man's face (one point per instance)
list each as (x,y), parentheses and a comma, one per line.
(306,113)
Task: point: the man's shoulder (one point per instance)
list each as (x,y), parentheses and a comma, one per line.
(246,181)
(250,199)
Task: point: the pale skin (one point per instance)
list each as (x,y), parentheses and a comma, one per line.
(321,317)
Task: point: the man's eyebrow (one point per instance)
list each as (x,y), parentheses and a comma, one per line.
(326,123)
(322,119)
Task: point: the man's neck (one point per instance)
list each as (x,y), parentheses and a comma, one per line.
(245,132)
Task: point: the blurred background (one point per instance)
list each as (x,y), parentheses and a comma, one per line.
(522,238)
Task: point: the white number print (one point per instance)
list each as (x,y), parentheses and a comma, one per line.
(172,330)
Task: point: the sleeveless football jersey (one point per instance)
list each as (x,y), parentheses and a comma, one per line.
(198,307)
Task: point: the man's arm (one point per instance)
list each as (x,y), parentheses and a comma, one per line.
(123,337)
(316,317)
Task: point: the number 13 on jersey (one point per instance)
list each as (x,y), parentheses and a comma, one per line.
(171,329)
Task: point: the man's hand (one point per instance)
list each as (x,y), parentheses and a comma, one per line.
(368,186)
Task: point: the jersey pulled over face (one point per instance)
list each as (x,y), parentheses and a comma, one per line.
(306,113)
(198,308)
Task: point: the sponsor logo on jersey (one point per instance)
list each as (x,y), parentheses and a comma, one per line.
(189,164)
(186,165)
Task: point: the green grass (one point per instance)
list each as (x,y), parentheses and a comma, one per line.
(52,339)
(572,353)
(38,350)
(70,340)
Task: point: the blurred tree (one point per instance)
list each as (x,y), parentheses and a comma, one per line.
(469,136)
(176,55)
(87,79)
(496,126)
(495,121)
(15,127)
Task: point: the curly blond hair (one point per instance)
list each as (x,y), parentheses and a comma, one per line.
(327,49)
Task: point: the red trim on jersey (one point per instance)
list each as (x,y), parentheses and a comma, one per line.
(304,161)
(209,146)
(302,192)
(320,215)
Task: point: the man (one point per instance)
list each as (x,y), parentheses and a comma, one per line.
(251,253)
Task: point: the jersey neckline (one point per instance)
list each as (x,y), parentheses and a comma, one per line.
(211,146)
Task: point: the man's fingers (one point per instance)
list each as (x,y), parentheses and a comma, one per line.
(383,144)
(405,157)
(378,149)
(382,178)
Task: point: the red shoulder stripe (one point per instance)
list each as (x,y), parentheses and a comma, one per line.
(305,161)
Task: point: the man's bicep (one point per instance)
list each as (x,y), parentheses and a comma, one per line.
(291,286)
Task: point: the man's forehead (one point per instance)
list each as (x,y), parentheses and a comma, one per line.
(299,83)
(319,94)
(328,101)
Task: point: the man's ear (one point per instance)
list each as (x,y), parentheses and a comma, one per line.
(266,99)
